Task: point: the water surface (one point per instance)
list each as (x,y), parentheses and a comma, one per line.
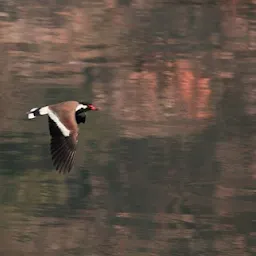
(167,167)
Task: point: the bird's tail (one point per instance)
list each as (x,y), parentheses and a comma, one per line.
(34,112)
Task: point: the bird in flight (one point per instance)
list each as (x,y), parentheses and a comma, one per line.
(63,119)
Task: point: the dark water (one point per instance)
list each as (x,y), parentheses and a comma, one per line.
(167,167)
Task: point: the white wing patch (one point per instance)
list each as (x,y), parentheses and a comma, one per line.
(44,110)
(32,109)
(41,111)
(81,106)
(61,126)
(31,116)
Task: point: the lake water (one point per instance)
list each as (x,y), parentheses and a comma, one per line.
(167,167)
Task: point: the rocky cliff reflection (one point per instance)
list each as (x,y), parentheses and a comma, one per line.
(168,166)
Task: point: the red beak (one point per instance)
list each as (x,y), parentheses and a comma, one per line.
(93,107)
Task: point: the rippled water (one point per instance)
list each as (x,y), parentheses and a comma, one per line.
(167,167)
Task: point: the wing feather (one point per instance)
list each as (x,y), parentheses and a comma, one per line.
(68,163)
(63,148)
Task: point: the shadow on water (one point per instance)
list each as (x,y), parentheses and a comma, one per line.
(154,168)
(14,169)
(15,148)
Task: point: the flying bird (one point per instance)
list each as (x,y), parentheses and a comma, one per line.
(63,119)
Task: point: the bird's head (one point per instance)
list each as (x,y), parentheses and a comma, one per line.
(85,106)
(81,109)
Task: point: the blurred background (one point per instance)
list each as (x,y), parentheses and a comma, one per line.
(168,166)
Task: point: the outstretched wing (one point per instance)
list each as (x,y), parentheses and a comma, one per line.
(63,148)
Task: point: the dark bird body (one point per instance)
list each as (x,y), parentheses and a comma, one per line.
(63,121)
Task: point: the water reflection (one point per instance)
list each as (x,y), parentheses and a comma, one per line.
(167,166)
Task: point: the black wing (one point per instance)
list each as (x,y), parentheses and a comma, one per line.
(63,148)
